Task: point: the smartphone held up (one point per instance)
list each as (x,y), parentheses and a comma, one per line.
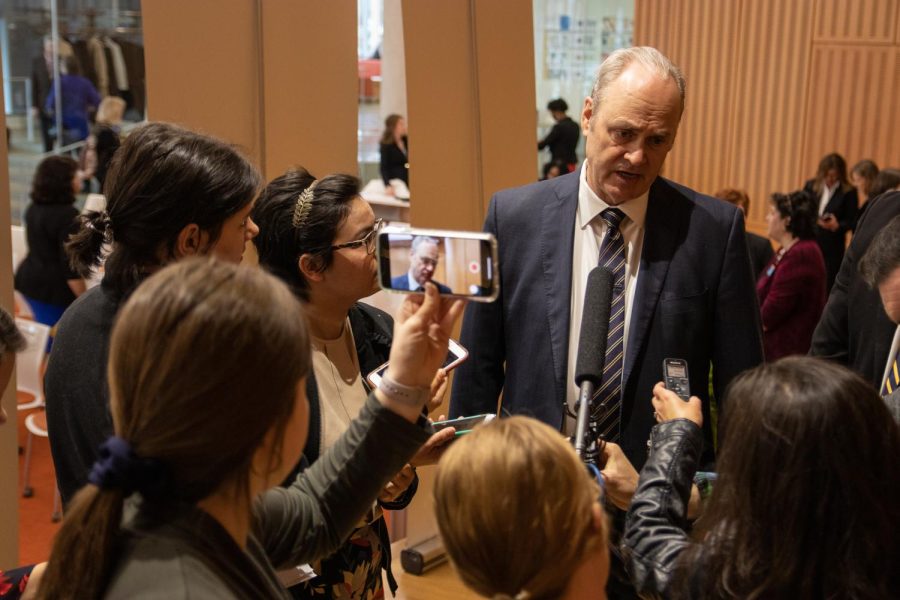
(461,264)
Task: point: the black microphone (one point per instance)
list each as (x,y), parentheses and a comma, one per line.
(591,347)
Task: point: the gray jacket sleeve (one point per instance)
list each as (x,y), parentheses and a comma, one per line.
(655,526)
(313,517)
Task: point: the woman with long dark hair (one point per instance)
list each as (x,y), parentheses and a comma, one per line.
(805,503)
(171,193)
(837,210)
(44,277)
(208,362)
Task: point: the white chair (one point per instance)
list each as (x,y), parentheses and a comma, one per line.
(36,424)
(30,361)
(19,245)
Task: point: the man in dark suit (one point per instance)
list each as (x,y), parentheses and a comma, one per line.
(683,287)
(423,260)
(854,329)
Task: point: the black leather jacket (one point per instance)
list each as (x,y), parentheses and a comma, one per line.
(655,528)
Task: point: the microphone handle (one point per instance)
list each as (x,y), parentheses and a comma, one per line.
(583,420)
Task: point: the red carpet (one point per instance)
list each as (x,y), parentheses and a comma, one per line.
(36,530)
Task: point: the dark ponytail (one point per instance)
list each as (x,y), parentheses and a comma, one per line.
(85,246)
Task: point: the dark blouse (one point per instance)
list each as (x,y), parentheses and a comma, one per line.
(394,162)
(792,296)
(44,273)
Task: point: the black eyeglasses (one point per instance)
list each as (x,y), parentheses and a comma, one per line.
(368,240)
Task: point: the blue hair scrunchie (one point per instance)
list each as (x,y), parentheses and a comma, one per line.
(119,468)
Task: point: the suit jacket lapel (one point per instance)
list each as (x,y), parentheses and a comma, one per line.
(660,235)
(556,240)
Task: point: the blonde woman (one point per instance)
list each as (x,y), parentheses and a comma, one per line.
(520,516)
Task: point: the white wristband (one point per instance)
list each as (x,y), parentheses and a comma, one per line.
(410,396)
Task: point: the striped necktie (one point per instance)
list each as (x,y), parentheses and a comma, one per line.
(892,381)
(609,393)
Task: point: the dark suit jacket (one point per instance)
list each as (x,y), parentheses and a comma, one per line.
(843,205)
(760,252)
(401,282)
(854,329)
(695,299)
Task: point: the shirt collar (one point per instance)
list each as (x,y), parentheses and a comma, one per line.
(590,205)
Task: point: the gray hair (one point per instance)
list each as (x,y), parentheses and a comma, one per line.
(883,254)
(423,239)
(651,58)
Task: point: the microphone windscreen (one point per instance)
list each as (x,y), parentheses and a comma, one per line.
(594,327)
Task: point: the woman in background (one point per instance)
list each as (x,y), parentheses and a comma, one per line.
(837,207)
(805,504)
(318,236)
(45,277)
(394,146)
(791,289)
(520,516)
(862,176)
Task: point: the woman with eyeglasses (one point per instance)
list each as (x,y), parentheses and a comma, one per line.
(319,237)
(805,503)
(520,515)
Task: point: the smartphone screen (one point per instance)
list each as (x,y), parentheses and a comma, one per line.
(456,355)
(460,264)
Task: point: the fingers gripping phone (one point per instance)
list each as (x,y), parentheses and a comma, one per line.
(456,355)
(464,425)
(675,376)
(461,264)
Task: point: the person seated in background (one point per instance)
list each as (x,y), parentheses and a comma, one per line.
(760,248)
(805,504)
(171,194)
(45,278)
(333,231)
(791,289)
(837,210)
(563,138)
(208,366)
(862,176)
(394,149)
(880,267)
(78,100)
(423,260)
(520,516)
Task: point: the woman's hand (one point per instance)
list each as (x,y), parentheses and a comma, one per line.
(669,406)
(397,485)
(435,447)
(438,389)
(421,335)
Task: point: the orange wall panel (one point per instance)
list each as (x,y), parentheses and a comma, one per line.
(773,86)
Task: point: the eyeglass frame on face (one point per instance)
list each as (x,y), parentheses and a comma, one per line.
(368,239)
